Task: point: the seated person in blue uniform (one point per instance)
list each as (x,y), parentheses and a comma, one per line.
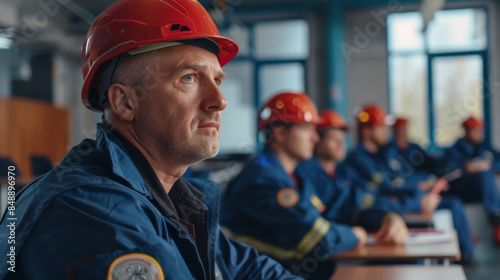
(277,209)
(334,187)
(383,174)
(411,153)
(116,207)
(479,162)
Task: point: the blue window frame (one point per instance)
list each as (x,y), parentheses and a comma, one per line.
(440,76)
(272,58)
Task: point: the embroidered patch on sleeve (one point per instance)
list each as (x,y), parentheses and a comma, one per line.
(135,266)
(287,197)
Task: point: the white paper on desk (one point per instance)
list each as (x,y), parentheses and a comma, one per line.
(417,238)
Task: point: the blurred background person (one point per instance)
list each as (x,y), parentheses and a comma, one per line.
(275,207)
(337,196)
(379,170)
(478,162)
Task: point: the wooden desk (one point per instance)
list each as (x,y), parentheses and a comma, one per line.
(385,252)
(399,272)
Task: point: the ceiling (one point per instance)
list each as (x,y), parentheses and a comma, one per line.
(62,24)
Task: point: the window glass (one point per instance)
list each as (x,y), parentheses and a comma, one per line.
(241,35)
(404,32)
(409,94)
(238,119)
(275,78)
(282,39)
(278,50)
(457,30)
(457,80)
(458,93)
(238,86)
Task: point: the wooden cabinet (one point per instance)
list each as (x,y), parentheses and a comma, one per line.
(32,127)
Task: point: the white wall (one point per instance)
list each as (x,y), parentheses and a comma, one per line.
(67,81)
(366,61)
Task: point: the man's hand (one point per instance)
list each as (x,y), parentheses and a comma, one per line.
(426,185)
(360,234)
(429,202)
(477,166)
(392,230)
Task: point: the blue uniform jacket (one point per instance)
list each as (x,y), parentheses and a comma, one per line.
(462,151)
(385,179)
(262,208)
(94,207)
(339,197)
(416,158)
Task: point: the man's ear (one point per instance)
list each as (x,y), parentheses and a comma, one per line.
(122,102)
(365,130)
(280,134)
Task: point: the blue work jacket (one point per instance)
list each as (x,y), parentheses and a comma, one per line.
(341,197)
(93,208)
(463,151)
(289,221)
(414,157)
(386,178)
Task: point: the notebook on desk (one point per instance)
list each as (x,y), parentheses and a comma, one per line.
(420,236)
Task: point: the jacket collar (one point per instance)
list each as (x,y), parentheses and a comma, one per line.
(465,146)
(121,162)
(362,149)
(269,158)
(124,167)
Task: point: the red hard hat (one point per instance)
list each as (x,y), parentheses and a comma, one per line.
(127,25)
(372,114)
(331,119)
(288,107)
(400,122)
(472,122)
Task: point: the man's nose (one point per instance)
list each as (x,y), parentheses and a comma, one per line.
(214,99)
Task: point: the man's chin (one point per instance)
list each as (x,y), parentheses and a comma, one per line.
(306,156)
(211,151)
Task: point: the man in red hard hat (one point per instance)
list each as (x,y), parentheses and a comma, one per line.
(117,207)
(478,162)
(412,152)
(335,188)
(275,207)
(383,174)
(372,165)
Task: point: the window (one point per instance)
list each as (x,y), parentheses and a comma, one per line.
(276,77)
(271,59)
(458,93)
(282,39)
(409,82)
(436,77)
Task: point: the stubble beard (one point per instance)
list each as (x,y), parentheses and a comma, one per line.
(189,152)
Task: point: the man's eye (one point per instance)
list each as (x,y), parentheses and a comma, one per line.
(188,78)
(218,82)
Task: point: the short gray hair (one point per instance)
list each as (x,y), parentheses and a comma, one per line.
(132,69)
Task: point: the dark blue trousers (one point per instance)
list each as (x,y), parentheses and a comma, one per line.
(455,205)
(478,187)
